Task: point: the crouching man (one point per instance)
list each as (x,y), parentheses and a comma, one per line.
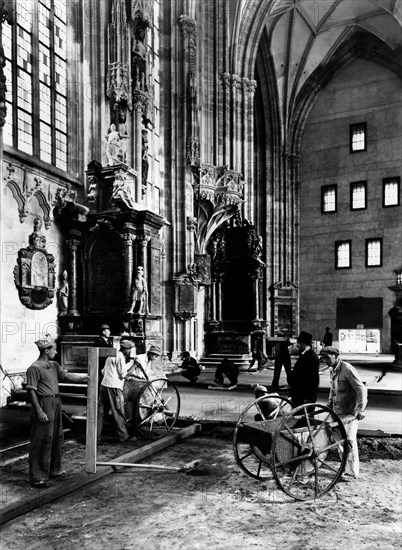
(45,452)
(348,399)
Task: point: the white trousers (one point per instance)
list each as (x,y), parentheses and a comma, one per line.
(352,464)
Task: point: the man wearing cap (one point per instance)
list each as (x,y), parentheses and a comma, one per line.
(348,399)
(46,415)
(304,378)
(111,391)
(145,364)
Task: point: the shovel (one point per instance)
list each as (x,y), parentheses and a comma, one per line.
(186,468)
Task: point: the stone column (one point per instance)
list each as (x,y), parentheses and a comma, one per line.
(72,270)
(128,265)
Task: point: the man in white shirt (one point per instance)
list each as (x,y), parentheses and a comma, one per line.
(111,391)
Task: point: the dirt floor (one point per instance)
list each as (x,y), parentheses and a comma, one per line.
(218,507)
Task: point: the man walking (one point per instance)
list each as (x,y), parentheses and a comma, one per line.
(304,378)
(348,399)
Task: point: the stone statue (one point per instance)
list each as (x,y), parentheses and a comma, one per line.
(139,302)
(113,145)
(63,295)
(122,191)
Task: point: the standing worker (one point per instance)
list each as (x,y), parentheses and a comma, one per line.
(45,451)
(304,378)
(348,399)
(111,391)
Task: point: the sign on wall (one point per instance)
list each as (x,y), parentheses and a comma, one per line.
(359,340)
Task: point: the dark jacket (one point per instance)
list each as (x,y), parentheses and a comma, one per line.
(304,379)
(100,342)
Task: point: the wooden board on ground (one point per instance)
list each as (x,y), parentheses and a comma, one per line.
(48,495)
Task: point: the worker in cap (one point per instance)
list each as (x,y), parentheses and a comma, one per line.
(43,376)
(304,377)
(348,399)
(111,396)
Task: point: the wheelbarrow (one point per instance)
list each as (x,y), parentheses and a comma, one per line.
(304,449)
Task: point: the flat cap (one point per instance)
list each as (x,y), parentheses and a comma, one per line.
(45,343)
(329,350)
(102,327)
(126,344)
(155,350)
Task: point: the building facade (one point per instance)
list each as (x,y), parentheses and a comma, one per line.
(244,154)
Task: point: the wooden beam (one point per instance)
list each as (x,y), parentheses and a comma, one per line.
(92,410)
(80,480)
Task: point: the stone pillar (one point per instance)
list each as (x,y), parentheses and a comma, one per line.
(72,270)
(128,265)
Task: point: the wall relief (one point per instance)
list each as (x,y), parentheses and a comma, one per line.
(34,274)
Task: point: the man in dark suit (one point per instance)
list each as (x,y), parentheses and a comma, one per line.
(304,378)
(104,340)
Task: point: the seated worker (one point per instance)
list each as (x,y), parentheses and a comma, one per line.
(111,391)
(260,357)
(229,369)
(190,368)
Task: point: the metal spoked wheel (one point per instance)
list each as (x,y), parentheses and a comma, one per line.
(309,451)
(156,408)
(253,434)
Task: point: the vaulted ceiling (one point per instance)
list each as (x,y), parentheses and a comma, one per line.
(303,33)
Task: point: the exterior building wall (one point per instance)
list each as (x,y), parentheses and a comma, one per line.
(362,92)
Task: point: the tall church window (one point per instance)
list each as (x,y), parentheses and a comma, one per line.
(358,137)
(373,252)
(328,198)
(36,71)
(343,254)
(390,187)
(358,194)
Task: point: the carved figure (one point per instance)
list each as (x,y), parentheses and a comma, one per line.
(139,302)
(92,192)
(63,295)
(122,191)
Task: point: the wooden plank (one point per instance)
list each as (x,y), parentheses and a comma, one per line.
(92,410)
(80,480)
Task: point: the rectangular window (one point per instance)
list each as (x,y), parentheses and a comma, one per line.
(343,254)
(373,252)
(358,137)
(36,60)
(358,194)
(390,191)
(328,198)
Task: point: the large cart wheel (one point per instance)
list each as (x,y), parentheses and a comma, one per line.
(253,434)
(156,408)
(309,451)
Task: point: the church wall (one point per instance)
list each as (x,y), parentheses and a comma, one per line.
(362,92)
(21,326)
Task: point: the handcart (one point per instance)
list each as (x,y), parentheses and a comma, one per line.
(304,449)
(152,406)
